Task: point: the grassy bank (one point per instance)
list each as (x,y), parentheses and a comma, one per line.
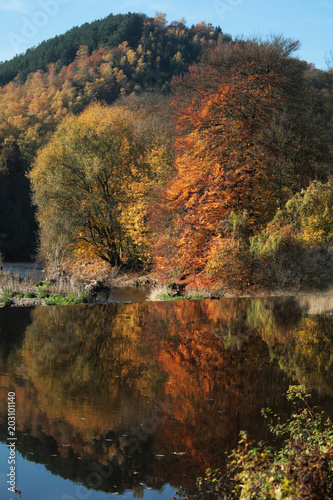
(176,292)
(16,291)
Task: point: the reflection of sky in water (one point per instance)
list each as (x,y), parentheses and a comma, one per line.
(37,483)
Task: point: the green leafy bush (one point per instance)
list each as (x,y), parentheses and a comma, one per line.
(6,302)
(9,294)
(300,468)
(58,300)
(43,284)
(294,249)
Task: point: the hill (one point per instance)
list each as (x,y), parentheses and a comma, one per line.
(100,61)
(132,28)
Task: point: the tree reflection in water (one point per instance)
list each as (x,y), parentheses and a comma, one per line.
(160,390)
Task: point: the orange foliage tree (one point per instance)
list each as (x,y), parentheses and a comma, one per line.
(229,168)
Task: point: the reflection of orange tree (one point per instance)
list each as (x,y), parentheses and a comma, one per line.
(303,345)
(200,359)
(217,380)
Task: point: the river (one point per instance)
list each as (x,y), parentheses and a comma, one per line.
(25,269)
(136,400)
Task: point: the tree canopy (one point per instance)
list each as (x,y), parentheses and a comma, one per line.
(92,184)
(251,133)
(166,41)
(102,61)
(176,150)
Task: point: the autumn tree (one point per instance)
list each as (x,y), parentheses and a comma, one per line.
(101,61)
(294,249)
(241,148)
(92,185)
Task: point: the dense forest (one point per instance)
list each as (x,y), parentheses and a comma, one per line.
(134,29)
(154,146)
(32,105)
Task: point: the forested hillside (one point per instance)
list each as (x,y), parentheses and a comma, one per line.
(69,77)
(231,186)
(178,151)
(62,49)
(110,32)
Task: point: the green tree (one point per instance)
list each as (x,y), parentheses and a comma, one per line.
(294,249)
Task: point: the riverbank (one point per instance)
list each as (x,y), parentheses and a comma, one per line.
(15,291)
(24,288)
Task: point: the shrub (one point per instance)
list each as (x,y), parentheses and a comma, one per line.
(230,264)
(9,294)
(43,284)
(6,302)
(58,300)
(301,468)
(294,250)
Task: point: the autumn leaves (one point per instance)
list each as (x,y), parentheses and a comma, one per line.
(250,136)
(93,183)
(246,132)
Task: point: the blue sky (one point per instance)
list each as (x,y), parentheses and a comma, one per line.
(25,23)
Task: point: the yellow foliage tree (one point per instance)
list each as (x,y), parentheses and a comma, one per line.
(92,185)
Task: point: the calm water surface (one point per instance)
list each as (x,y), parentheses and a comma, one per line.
(25,269)
(135,400)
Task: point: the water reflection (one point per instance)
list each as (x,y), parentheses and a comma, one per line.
(158,391)
(301,343)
